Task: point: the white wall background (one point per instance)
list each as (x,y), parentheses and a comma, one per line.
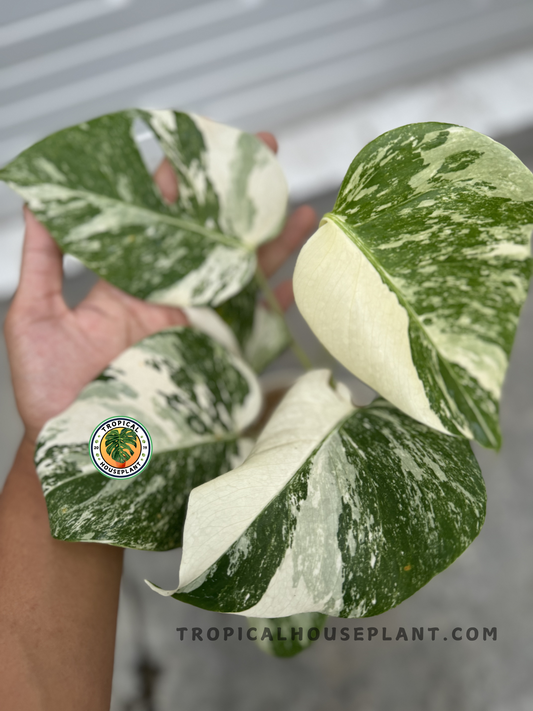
(326,75)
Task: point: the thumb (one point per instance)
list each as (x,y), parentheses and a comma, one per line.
(41,275)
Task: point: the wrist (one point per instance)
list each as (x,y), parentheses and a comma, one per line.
(28,442)
(23,467)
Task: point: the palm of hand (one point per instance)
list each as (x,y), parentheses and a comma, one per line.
(55,351)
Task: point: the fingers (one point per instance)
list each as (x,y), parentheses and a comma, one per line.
(269,140)
(41,275)
(166,180)
(297,229)
(135,318)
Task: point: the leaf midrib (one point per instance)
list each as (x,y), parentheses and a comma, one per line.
(229,240)
(386,277)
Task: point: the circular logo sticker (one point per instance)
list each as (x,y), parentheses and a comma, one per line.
(120,447)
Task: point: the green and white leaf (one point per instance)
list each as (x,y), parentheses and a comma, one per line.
(262,333)
(416,279)
(89,186)
(280,636)
(195,399)
(246,326)
(337,510)
(268,339)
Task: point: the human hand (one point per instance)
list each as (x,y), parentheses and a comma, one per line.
(54,351)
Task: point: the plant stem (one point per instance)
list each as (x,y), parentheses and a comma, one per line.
(272,301)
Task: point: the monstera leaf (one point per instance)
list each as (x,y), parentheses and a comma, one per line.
(339,510)
(88,185)
(246,326)
(119,443)
(416,279)
(262,333)
(195,399)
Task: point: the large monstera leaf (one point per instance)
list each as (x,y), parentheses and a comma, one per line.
(416,279)
(339,510)
(89,186)
(195,399)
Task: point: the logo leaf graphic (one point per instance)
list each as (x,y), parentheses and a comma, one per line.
(119,443)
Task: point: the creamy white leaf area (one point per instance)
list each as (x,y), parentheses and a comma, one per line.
(146,400)
(208,321)
(309,580)
(249,182)
(359,319)
(307,414)
(269,337)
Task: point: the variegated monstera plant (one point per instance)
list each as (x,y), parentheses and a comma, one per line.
(414,282)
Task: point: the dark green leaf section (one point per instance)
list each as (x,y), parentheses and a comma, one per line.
(239,311)
(382,505)
(425,504)
(445,215)
(192,396)
(288,636)
(146,512)
(89,186)
(261,333)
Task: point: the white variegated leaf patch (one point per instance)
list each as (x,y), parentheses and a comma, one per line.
(89,186)
(416,279)
(195,399)
(337,510)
